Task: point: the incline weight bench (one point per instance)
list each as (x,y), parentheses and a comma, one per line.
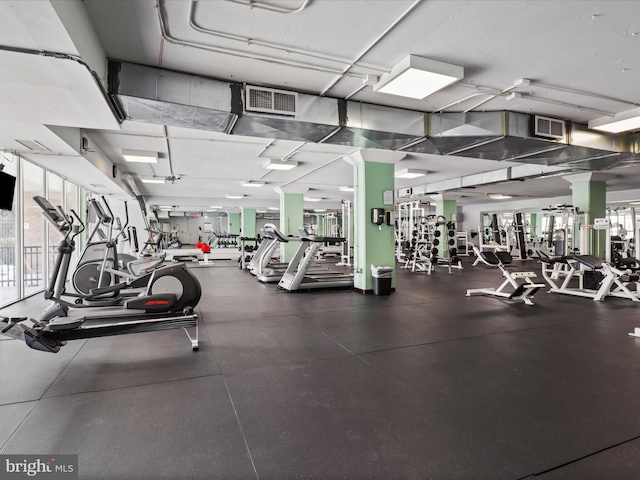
(522,291)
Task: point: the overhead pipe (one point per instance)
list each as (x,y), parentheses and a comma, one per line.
(371,45)
(273,8)
(575,92)
(282,48)
(238,53)
(531,96)
(117,112)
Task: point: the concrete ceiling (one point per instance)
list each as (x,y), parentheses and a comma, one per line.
(581,58)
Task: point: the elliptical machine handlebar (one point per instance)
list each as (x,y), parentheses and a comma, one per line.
(81,226)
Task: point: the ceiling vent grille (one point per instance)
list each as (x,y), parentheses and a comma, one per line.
(548,127)
(268,100)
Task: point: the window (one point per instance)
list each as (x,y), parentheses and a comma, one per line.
(33,226)
(9,265)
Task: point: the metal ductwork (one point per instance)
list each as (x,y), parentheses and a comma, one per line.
(175,99)
(159,96)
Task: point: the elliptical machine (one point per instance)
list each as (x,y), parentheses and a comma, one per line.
(168,302)
(177,288)
(100,266)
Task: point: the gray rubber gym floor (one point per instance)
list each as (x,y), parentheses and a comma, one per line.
(423,384)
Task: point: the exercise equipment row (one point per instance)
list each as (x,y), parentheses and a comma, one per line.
(167,302)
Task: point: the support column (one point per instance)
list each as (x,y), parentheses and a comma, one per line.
(320,222)
(589,194)
(233,225)
(374,188)
(291,217)
(248,222)
(446,206)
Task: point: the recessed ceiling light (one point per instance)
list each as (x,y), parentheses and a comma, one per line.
(418,77)
(153,180)
(320,210)
(275,164)
(252,183)
(620,122)
(499,196)
(346,189)
(313,199)
(215,206)
(234,196)
(139,156)
(97,185)
(410,173)
(273,208)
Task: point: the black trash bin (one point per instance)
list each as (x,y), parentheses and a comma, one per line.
(382,277)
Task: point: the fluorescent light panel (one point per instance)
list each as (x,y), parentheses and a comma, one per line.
(313,199)
(252,183)
(410,173)
(499,196)
(153,180)
(235,196)
(346,189)
(418,77)
(280,165)
(620,122)
(139,156)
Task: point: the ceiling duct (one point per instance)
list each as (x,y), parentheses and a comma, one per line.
(376,126)
(175,99)
(315,118)
(164,97)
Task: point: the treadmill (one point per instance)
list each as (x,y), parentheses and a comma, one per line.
(297,275)
(270,272)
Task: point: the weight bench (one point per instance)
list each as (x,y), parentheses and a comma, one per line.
(477,252)
(560,271)
(521,291)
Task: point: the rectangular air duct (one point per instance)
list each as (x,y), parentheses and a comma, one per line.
(268,100)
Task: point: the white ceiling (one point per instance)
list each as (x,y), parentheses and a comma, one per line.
(582,58)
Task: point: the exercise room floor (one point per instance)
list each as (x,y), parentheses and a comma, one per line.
(423,384)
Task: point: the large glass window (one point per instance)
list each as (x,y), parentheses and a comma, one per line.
(33,226)
(9,279)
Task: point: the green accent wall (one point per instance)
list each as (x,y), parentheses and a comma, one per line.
(248,222)
(234,223)
(291,219)
(320,222)
(591,197)
(373,244)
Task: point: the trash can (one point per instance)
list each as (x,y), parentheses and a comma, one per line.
(382,277)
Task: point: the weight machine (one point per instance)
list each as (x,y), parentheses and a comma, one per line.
(423,252)
(346,258)
(408,217)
